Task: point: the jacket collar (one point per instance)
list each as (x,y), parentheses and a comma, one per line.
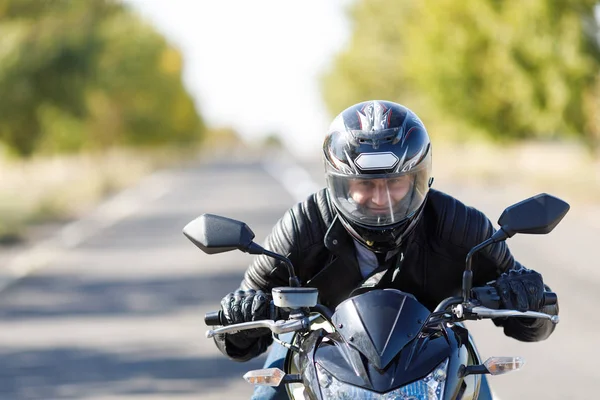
(339,277)
(337,240)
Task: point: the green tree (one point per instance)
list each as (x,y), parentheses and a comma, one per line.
(139,98)
(78,74)
(512,69)
(43,62)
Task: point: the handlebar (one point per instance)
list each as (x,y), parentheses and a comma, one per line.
(550,299)
(487,296)
(214,318)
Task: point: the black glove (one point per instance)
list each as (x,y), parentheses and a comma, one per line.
(521,290)
(246,306)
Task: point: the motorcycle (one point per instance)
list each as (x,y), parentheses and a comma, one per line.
(380,343)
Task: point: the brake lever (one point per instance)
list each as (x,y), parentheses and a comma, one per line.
(485,312)
(277,327)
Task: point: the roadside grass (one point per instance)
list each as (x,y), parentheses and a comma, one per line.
(566,170)
(54,189)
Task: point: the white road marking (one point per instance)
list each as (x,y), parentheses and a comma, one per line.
(295,179)
(71,235)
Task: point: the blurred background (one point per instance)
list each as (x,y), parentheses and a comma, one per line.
(121,121)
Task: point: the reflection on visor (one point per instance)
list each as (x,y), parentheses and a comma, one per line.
(379,201)
(380,198)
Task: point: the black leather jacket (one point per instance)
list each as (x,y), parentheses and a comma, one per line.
(323,254)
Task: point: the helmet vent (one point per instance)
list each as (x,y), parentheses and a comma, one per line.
(376,142)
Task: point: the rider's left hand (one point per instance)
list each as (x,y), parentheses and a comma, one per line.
(521,290)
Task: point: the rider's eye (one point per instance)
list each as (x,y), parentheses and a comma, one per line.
(396,181)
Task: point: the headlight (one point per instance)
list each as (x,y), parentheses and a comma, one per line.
(429,388)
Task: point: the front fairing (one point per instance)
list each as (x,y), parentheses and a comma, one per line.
(412,355)
(379,323)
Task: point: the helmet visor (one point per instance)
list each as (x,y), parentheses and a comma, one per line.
(379,200)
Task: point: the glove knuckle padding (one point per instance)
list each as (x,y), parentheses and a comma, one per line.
(259,306)
(236,307)
(520,295)
(244,306)
(247,308)
(226,307)
(522,290)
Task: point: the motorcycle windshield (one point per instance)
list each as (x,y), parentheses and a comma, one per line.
(380,323)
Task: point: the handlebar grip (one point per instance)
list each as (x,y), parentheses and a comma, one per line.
(214,318)
(488,297)
(550,298)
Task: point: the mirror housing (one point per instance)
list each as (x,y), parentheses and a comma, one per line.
(536,215)
(215,234)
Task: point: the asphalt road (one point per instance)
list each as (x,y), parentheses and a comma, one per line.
(119,315)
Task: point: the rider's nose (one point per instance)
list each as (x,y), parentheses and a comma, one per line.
(380,197)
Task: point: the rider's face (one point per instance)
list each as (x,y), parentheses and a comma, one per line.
(379,196)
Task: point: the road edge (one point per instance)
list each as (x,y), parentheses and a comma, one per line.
(105,214)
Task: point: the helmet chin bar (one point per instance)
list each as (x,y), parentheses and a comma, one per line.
(378,240)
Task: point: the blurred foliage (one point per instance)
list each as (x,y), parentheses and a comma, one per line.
(221,137)
(78,75)
(506,69)
(273,141)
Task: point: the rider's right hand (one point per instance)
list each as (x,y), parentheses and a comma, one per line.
(246,306)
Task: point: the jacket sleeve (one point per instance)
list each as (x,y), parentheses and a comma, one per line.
(466,227)
(298,235)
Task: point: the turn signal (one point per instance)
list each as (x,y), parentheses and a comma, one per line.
(502,365)
(265,377)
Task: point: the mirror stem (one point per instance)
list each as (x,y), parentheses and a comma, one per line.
(467,280)
(256,249)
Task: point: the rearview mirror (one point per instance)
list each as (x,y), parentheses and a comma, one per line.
(536,215)
(215,234)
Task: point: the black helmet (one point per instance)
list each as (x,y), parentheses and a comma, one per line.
(378,171)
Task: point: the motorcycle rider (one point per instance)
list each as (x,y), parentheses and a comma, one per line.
(379,223)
